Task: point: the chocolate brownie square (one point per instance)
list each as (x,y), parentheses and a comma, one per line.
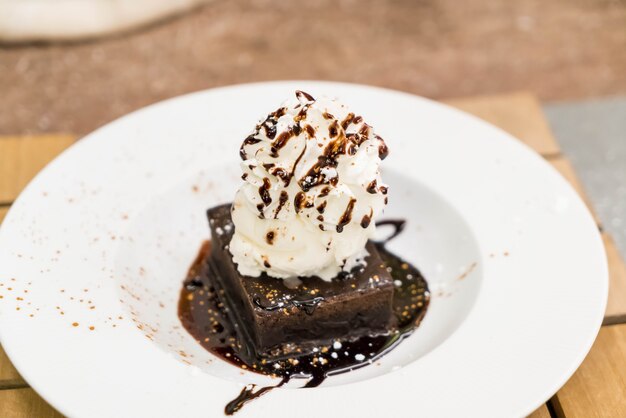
(276,317)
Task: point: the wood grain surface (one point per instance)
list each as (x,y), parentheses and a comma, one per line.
(616,305)
(541,412)
(21,158)
(597,389)
(9,377)
(519,114)
(3,212)
(25,403)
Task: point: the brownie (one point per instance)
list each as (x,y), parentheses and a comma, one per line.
(276,319)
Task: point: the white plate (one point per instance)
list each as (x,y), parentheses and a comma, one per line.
(107,231)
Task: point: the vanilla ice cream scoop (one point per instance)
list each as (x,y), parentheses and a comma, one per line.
(311,194)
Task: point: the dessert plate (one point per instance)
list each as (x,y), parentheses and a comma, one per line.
(93,253)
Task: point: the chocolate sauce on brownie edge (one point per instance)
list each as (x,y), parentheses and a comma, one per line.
(207,319)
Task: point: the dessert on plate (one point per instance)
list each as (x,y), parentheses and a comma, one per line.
(292,283)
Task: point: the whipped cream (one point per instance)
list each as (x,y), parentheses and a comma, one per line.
(311,194)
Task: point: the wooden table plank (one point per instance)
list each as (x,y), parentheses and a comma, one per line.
(3,212)
(541,412)
(616,305)
(9,377)
(25,403)
(598,388)
(519,114)
(23,157)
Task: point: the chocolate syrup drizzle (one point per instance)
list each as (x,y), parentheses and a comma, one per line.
(306,305)
(206,318)
(341,143)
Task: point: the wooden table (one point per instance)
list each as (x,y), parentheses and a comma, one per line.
(597,389)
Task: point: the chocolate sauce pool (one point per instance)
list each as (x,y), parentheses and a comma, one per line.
(206,318)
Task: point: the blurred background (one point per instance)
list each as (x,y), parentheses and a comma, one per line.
(69,66)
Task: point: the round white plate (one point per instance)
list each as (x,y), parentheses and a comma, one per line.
(93,253)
